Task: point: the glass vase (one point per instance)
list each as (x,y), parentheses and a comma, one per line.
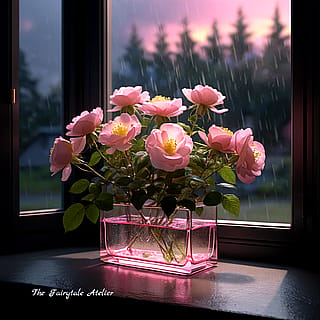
(183,243)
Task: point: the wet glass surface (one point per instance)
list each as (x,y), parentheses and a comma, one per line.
(40,97)
(241,48)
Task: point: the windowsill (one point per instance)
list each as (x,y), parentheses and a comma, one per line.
(230,289)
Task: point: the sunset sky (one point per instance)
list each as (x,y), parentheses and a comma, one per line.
(40,26)
(148,14)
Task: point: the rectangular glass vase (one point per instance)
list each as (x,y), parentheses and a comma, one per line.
(184,243)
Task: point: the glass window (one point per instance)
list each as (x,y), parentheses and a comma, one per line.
(40,102)
(242,48)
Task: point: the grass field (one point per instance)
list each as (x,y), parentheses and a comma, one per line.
(268,210)
(38,190)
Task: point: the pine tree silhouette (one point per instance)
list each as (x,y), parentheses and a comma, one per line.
(135,58)
(188,68)
(240,44)
(274,84)
(277,52)
(35,110)
(30,102)
(163,65)
(214,51)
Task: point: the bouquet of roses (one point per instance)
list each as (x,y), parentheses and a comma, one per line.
(146,156)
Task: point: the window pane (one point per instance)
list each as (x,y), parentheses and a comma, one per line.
(40,101)
(242,48)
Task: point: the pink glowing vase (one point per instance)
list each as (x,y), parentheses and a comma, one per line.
(183,244)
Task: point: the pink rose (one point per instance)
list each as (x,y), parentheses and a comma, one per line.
(169,147)
(86,123)
(128,96)
(62,154)
(164,107)
(251,155)
(219,138)
(205,95)
(119,132)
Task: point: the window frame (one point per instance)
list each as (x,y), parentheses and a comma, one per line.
(276,242)
(83,83)
(86,83)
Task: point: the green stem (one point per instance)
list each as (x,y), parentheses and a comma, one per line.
(194,124)
(230,162)
(102,155)
(167,251)
(129,163)
(177,246)
(167,182)
(155,236)
(92,170)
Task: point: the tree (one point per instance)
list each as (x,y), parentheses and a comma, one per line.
(239,39)
(188,63)
(163,64)
(30,103)
(241,69)
(35,110)
(274,112)
(214,51)
(277,52)
(53,105)
(216,71)
(135,58)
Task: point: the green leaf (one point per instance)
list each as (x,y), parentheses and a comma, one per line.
(142,162)
(138,145)
(192,118)
(90,197)
(79,186)
(92,213)
(231,203)
(196,161)
(227,174)
(226,185)
(145,122)
(197,179)
(94,159)
(168,205)
(212,198)
(196,182)
(143,173)
(136,184)
(73,217)
(105,201)
(123,181)
(210,181)
(95,188)
(189,204)
(108,174)
(174,188)
(138,198)
(151,190)
(159,184)
(178,173)
(128,109)
(185,127)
